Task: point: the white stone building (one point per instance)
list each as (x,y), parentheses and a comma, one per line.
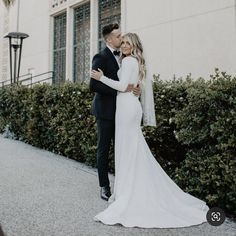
(179,36)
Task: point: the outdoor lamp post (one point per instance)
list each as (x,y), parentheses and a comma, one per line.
(15,43)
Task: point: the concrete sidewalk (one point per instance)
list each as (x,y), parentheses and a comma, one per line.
(43,194)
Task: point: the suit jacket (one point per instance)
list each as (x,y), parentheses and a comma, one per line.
(104,102)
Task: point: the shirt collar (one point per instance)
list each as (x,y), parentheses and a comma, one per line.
(112,49)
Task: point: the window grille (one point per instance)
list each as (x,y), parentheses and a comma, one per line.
(59,49)
(109,11)
(81,43)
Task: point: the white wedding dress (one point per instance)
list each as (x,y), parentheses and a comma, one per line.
(144,195)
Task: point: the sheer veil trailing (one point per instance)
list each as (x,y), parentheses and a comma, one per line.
(147,100)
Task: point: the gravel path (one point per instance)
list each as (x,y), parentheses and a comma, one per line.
(43,194)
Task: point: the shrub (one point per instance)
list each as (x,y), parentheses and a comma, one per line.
(206,126)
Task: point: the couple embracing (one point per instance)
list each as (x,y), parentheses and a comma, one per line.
(143,194)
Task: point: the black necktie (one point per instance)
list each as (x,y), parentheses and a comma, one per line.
(116,53)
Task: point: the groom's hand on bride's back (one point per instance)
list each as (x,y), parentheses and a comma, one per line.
(129,88)
(137,91)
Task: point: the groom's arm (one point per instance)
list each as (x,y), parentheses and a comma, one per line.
(97,86)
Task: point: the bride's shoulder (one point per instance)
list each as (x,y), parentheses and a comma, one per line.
(129,60)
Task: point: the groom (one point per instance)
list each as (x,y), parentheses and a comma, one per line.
(104,102)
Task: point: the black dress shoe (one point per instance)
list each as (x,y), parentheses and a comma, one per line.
(105,193)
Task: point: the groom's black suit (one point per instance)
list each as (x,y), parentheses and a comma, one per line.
(103,108)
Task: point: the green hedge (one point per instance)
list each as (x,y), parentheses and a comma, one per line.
(194,141)
(207,126)
(56,118)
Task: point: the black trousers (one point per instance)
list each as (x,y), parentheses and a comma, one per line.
(105,134)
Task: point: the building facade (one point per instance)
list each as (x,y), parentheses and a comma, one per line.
(179,36)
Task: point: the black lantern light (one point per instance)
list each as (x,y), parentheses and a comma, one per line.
(15,42)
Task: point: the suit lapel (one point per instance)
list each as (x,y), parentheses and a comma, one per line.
(112,58)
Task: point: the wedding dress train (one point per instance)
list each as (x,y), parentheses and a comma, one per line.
(144,195)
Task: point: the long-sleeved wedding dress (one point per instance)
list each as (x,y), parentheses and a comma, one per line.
(144,195)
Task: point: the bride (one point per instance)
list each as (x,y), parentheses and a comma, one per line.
(144,195)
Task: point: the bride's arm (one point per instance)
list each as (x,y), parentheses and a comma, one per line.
(126,72)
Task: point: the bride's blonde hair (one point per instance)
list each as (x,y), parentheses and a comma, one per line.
(137,52)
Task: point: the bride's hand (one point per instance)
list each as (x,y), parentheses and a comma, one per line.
(96,74)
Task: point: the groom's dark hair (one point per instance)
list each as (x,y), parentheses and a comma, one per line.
(107,29)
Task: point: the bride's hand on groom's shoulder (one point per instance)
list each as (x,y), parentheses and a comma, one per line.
(96,74)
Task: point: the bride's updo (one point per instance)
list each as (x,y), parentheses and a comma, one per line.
(137,52)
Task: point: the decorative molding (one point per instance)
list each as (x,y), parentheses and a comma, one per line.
(8,2)
(56,3)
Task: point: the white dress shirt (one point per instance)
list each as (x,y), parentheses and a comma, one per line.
(116,57)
